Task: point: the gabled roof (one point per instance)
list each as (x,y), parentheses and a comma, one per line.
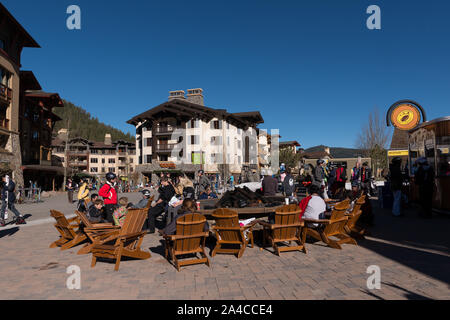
(253,116)
(49,99)
(28,41)
(186,110)
(28,81)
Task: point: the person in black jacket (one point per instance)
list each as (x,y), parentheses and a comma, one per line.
(166,192)
(424,178)
(187,207)
(8,199)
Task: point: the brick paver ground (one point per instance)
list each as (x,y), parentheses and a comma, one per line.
(413,255)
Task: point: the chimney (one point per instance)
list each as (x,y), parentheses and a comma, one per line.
(108,139)
(177,94)
(62,134)
(195,96)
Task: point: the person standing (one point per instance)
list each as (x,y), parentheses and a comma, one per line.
(396,180)
(8,199)
(366,176)
(70,187)
(269,185)
(424,178)
(109,193)
(288,185)
(83,194)
(320,176)
(203,182)
(231,181)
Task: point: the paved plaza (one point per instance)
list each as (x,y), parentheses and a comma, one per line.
(412,253)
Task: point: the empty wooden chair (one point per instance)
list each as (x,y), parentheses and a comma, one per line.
(69,230)
(287,228)
(188,239)
(94,231)
(229,232)
(124,242)
(350,227)
(333,227)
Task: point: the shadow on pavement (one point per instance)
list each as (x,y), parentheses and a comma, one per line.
(419,234)
(8,232)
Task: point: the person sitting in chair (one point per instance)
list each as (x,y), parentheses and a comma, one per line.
(316,205)
(187,207)
(95,212)
(208,194)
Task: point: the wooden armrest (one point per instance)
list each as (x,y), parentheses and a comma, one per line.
(74,219)
(226,228)
(278,226)
(265,224)
(181,237)
(132,235)
(323,221)
(103,226)
(112,235)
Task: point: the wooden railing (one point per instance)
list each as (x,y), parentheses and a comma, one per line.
(5,92)
(4,123)
(165,147)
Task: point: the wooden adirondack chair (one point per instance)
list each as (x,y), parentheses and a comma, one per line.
(94,231)
(229,232)
(69,229)
(124,242)
(287,228)
(188,239)
(350,226)
(333,227)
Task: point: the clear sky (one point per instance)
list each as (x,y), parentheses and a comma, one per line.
(312,68)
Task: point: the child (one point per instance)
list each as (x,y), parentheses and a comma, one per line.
(95,211)
(121,212)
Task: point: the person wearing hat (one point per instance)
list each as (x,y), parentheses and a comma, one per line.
(144,201)
(424,179)
(396,182)
(109,193)
(8,198)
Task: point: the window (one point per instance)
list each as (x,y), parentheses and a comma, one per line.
(111,160)
(228,141)
(216,157)
(35,135)
(2,44)
(103,160)
(238,131)
(131,160)
(148,142)
(216,124)
(193,124)
(216,141)
(103,170)
(112,169)
(195,139)
(239,159)
(228,125)
(239,144)
(94,169)
(163,157)
(148,158)
(94,160)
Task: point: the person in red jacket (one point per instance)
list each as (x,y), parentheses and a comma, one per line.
(109,193)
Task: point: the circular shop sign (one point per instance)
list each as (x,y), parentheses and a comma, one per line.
(405,116)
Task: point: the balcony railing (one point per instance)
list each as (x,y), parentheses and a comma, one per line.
(5,92)
(165,147)
(163,130)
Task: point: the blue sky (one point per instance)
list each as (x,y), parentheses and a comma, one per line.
(312,68)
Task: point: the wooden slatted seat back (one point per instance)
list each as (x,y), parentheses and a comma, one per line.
(337,223)
(134,221)
(189,225)
(286,215)
(356,212)
(83,218)
(62,225)
(228,218)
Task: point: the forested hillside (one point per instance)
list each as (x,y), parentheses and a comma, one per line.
(82,124)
